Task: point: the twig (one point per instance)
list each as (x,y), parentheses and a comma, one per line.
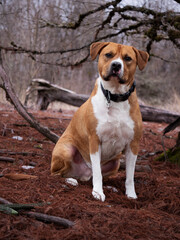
(44,217)
(7,159)
(162,142)
(21,153)
(25,206)
(138,168)
(8,210)
(172,126)
(159,134)
(145,156)
(4,201)
(50,219)
(18,176)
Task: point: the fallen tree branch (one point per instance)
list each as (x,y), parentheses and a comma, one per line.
(138,168)
(22,111)
(7,159)
(4,201)
(8,210)
(172,126)
(24,206)
(18,176)
(20,153)
(50,219)
(41,216)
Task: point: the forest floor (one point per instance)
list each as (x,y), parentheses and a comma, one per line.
(154,215)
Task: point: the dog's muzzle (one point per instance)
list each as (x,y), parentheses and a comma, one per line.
(115,71)
(116,68)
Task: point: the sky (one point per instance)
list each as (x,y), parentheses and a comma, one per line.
(164,4)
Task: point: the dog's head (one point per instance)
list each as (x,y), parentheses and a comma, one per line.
(118,62)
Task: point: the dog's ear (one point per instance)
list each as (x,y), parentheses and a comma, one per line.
(96,48)
(142,58)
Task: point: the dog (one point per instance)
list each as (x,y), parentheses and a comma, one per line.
(106,125)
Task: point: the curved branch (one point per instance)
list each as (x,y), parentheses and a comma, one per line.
(22,111)
(108,20)
(82,16)
(156,26)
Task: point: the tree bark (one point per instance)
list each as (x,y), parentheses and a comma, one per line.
(48,93)
(153,114)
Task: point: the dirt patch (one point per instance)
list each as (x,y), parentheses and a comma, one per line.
(154,215)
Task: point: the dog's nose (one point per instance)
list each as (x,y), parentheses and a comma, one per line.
(116,66)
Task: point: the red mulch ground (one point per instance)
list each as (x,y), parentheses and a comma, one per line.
(154,215)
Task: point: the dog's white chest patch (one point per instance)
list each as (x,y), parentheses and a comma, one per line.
(115,127)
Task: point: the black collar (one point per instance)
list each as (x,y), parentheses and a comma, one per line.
(117,97)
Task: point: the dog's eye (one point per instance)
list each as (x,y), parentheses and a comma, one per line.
(127,58)
(109,55)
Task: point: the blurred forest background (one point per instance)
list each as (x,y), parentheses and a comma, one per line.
(50,39)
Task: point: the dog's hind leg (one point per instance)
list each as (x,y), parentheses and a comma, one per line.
(61,162)
(61,159)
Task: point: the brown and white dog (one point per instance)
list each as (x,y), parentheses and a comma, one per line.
(106,124)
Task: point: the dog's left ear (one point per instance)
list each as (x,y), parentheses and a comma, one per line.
(96,48)
(142,58)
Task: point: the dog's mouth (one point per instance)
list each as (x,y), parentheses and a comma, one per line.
(115,74)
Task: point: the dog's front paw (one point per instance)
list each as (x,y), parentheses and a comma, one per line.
(131,194)
(98,195)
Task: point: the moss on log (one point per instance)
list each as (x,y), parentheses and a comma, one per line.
(172,155)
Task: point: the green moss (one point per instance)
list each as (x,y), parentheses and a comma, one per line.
(173,34)
(172,155)
(177,25)
(151,32)
(70,25)
(159,38)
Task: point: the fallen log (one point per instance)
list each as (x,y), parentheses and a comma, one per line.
(153,114)
(48,93)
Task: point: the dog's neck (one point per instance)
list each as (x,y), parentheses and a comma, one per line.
(117,97)
(114,86)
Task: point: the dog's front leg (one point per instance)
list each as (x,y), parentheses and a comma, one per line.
(97,175)
(130,167)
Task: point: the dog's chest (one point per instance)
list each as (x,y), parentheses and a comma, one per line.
(115,127)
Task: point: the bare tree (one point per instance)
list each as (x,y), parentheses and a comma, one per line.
(41,38)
